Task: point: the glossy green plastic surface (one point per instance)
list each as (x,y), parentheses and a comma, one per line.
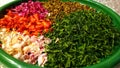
(109,62)
(10,62)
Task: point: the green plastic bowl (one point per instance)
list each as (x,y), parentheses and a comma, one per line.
(108,62)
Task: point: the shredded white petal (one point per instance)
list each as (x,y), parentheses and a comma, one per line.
(23,47)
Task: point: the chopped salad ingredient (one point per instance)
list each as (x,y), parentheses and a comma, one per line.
(23,47)
(80,39)
(22,32)
(58,8)
(30,25)
(30,8)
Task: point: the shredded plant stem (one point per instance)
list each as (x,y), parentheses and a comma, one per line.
(23,47)
(30,25)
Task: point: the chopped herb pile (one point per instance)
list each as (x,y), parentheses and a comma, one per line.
(58,8)
(80,39)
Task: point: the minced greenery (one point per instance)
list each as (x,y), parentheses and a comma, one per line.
(80,39)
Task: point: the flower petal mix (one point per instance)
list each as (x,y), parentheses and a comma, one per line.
(24,47)
(19,30)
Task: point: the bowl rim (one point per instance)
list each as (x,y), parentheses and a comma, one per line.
(109,62)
